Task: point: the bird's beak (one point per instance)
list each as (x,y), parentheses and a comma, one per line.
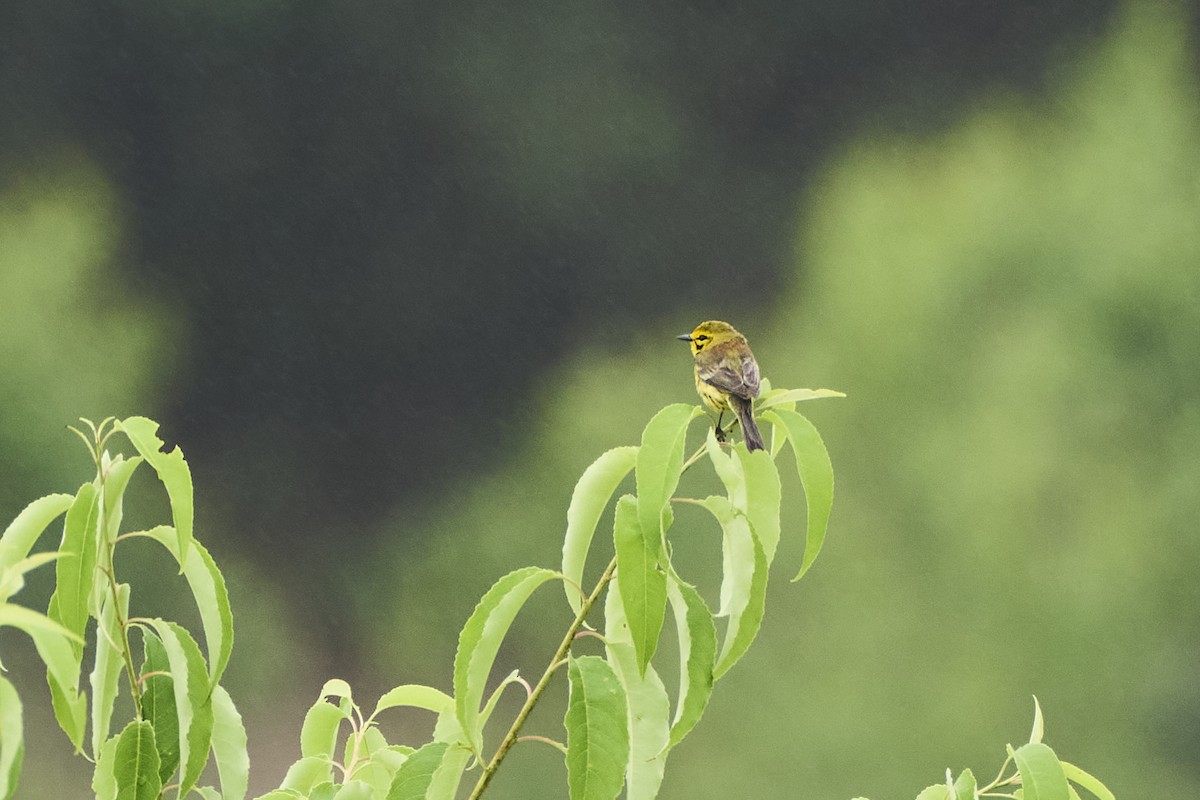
(687,337)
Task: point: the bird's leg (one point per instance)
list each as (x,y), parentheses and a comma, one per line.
(720,432)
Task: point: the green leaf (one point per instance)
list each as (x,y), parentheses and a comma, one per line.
(414,696)
(308,772)
(193,700)
(116,479)
(158,703)
(964,786)
(728,469)
(697,655)
(354,790)
(816,473)
(1036,734)
(597,730)
(281,794)
(737,551)
(135,765)
(1042,777)
(104,782)
(648,709)
(12,578)
(447,776)
(75,571)
(480,640)
(744,584)
(1089,782)
(763,497)
(643,584)
(319,733)
(937,792)
(108,663)
(592,493)
(658,467)
(375,762)
(12,739)
(212,598)
(172,471)
(229,746)
(24,531)
(56,646)
(788,397)
(414,776)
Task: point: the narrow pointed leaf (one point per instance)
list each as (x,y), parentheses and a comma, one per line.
(744,584)
(816,473)
(658,467)
(193,700)
(57,648)
(104,782)
(229,746)
(447,776)
(24,531)
(414,776)
(108,663)
(376,761)
(480,640)
(788,397)
(643,584)
(1042,776)
(75,570)
(697,656)
(158,703)
(306,774)
(12,578)
(1035,735)
(592,493)
(354,790)
(1089,782)
(737,552)
(964,786)
(763,497)
(728,469)
(319,733)
(135,763)
(415,696)
(597,730)
(172,471)
(648,708)
(212,598)
(12,739)
(116,479)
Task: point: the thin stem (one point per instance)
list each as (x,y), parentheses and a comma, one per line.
(544,740)
(560,655)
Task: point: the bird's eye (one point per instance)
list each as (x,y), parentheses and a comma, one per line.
(702,338)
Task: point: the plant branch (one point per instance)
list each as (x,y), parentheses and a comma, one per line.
(556,660)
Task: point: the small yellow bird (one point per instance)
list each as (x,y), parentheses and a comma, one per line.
(726,375)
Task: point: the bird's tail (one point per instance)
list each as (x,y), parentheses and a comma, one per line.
(745,415)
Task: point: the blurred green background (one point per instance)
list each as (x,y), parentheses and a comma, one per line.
(394,275)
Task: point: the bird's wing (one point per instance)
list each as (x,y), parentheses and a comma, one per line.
(737,376)
(750,374)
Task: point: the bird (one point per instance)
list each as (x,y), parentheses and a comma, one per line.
(726,375)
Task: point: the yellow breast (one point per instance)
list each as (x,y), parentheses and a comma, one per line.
(713,397)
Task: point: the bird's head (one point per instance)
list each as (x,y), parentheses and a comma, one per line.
(706,333)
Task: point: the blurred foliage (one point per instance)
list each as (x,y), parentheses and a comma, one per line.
(364,211)
(393,270)
(75,337)
(1013,308)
